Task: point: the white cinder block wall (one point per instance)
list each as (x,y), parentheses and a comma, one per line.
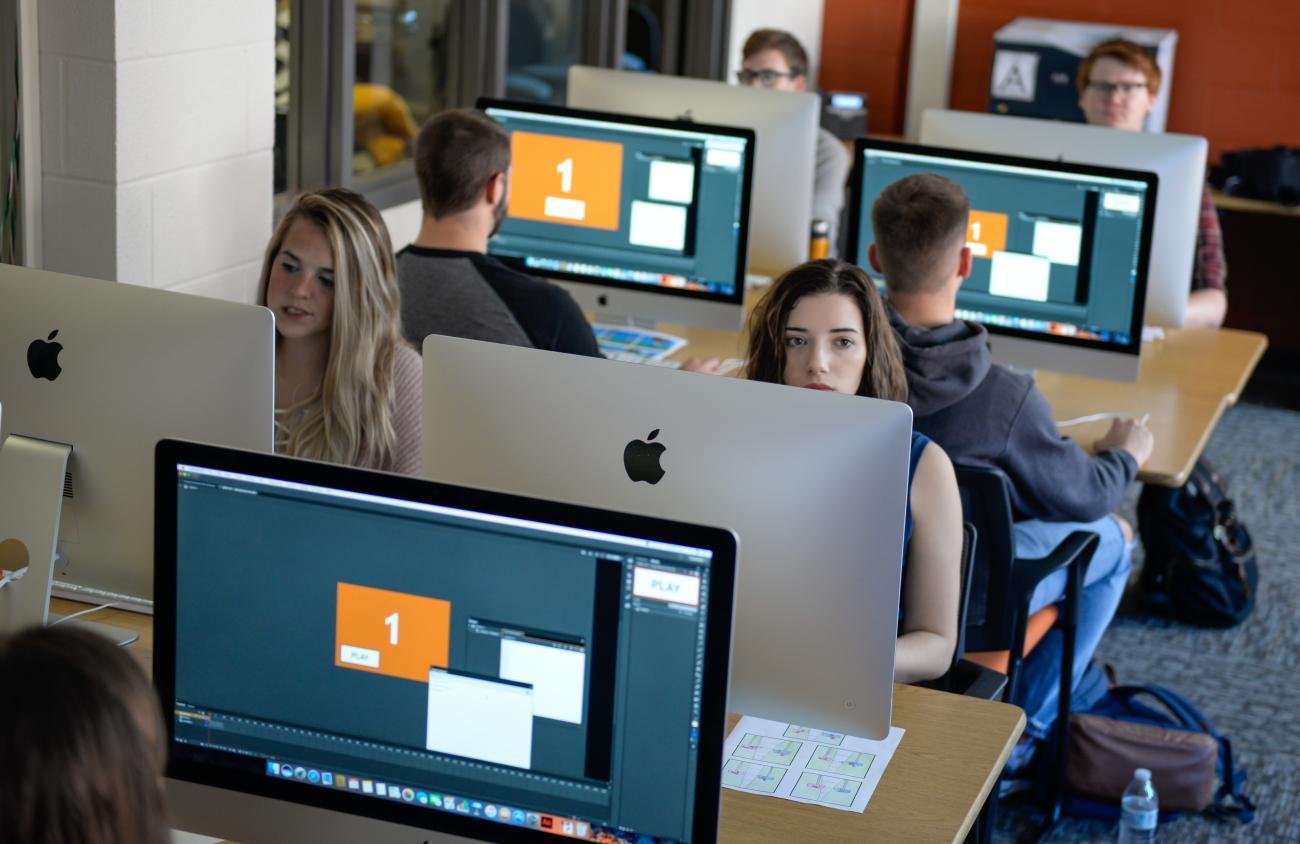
(157,126)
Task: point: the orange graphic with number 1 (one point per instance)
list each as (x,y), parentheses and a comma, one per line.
(571,181)
(384,632)
(986,233)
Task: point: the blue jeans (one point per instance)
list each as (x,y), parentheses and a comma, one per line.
(1103,586)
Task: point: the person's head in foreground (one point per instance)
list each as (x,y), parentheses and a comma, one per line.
(82,742)
(1118,82)
(822,325)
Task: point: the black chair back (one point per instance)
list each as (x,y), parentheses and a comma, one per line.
(986,505)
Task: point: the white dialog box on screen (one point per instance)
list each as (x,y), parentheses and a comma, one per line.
(480,718)
(556,675)
(660,585)
(1058,242)
(658,225)
(672,181)
(1019,276)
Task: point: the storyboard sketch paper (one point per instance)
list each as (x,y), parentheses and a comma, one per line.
(804,764)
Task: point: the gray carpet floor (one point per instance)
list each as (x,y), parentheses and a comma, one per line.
(1245,680)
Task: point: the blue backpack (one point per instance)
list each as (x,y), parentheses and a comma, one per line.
(1121,728)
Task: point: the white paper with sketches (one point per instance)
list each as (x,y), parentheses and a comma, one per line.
(805,764)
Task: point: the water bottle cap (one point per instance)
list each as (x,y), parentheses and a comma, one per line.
(1142,774)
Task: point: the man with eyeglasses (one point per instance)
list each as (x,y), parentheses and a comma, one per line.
(1118,82)
(773,58)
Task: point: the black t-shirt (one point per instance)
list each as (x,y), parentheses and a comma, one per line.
(547,313)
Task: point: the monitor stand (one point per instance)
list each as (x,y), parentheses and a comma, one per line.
(31,505)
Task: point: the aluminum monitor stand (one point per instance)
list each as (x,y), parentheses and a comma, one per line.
(31,505)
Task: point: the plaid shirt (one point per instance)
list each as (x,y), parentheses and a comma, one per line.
(1210,269)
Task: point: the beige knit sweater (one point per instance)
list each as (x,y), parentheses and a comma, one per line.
(407,398)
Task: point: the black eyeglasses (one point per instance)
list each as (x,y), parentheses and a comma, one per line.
(1124,89)
(766,78)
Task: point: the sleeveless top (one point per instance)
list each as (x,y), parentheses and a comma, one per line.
(919,442)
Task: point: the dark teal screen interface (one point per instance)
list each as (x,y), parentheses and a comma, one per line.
(1053,252)
(626,204)
(531,674)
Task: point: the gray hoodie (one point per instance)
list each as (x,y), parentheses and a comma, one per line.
(986,415)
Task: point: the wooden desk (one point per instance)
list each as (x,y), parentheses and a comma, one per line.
(933,789)
(1186,382)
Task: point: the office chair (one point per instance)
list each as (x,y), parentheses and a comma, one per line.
(998,624)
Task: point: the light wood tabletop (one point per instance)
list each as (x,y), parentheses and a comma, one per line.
(1187,380)
(934,787)
(932,790)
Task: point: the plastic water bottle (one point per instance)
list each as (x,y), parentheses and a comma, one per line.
(1139,810)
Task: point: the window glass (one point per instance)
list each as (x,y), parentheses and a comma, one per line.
(401,74)
(281,94)
(545,38)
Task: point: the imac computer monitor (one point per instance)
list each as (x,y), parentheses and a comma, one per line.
(1059,252)
(1177,160)
(638,218)
(785,126)
(814,484)
(108,369)
(347,655)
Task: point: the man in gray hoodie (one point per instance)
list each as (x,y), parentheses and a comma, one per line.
(984,414)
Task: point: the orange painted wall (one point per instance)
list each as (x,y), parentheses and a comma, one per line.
(865,46)
(1236,69)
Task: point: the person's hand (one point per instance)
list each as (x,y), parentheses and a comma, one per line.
(713,366)
(1131,435)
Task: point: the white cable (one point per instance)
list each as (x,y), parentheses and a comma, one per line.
(85,612)
(7,577)
(1093,417)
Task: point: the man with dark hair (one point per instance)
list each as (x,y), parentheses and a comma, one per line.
(773,58)
(985,414)
(450,285)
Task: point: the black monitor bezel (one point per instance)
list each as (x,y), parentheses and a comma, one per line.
(747,194)
(171,453)
(1152,181)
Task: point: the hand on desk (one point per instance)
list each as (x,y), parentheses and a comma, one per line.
(1131,435)
(711,365)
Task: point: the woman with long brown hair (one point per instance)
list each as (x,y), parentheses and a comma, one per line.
(822,326)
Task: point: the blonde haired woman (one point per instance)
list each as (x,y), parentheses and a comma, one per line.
(347,388)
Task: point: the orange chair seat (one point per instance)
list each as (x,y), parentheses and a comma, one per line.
(1039,623)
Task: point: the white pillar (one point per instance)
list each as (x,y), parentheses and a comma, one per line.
(157,126)
(934,35)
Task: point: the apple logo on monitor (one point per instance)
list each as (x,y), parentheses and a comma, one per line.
(641,459)
(43,357)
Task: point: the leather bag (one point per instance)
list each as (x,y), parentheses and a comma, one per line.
(1152,727)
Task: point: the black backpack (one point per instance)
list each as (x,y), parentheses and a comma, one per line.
(1200,562)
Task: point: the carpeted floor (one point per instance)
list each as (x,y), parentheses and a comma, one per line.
(1245,680)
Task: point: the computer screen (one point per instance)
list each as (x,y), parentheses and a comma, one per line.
(1060,251)
(785,131)
(1177,160)
(627,203)
(821,569)
(107,369)
(430,655)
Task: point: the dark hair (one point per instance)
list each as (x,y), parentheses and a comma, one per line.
(456,154)
(915,219)
(1125,52)
(778,39)
(883,377)
(81,741)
